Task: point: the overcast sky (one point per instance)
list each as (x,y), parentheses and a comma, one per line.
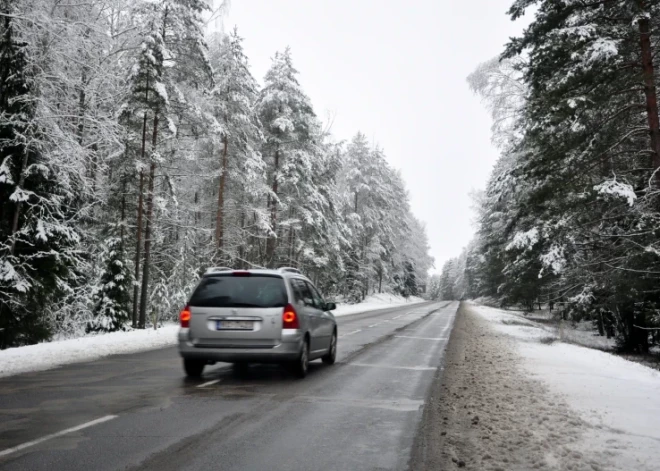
(396,71)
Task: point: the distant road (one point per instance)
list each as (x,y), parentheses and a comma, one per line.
(139,412)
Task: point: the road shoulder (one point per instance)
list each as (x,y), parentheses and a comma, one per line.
(485,413)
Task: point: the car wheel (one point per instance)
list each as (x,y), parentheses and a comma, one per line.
(193,368)
(330,357)
(301,365)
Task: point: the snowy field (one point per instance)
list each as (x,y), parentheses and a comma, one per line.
(617,400)
(48,355)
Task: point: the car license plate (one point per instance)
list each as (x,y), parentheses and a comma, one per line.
(233,325)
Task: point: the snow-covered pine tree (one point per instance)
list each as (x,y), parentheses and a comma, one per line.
(448,280)
(292,132)
(242,171)
(317,234)
(383,233)
(434,292)
(39,252)
(357,177)
(409,280)
(571,210)
(591,140)
(147,98)
(184,120)
(112,301)
(92,132)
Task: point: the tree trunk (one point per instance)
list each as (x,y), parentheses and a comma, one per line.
(17,212)
(272,240)
(147,233)
(94,165)
(650,92)
(219,221)
(82,104)
(138,229)
(123,214)
(291,236)
(241,246)
(292,246)
(196,212)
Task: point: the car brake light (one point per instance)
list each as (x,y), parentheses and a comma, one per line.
(290,318)
(184,317)
(241,273)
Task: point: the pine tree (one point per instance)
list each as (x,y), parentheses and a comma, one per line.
(409,280)
(147,98)
(38,248)
(447,279)
(584,131)
(112,307)
(290,128)
(242,170)
(121,140)
(570,214)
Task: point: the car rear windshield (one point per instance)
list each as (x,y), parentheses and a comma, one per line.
(240,291)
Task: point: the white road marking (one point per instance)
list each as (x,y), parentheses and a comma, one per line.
(449,325)
(397,316)
(8,451)
(374,325)
(413,368)
(203,385)
(420,338)
(350,333)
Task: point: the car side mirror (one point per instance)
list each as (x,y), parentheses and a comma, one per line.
(330,306)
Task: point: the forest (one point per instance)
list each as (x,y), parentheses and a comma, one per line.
(570,217)
(137,149)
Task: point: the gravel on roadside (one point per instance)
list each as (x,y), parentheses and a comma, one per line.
(483,413)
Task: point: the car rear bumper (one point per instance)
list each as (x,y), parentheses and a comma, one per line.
(287,350)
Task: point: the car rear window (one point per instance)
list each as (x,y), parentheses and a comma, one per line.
(240,291)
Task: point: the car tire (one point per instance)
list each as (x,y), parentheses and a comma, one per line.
(330,357)
(301,365)
(193,368)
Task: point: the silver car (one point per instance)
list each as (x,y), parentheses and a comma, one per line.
(256,316)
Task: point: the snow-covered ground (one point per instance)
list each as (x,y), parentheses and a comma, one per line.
(44,356)
(375,302)
(521,324)
(48,355)
(617,400)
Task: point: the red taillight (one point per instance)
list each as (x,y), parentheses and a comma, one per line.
(184,317)
(241,273)
(290,318)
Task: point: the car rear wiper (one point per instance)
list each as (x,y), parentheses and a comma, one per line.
(230,304)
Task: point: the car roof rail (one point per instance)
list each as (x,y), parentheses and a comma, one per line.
(290,270)
(216,270)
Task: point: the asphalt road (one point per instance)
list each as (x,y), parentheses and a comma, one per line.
(139,412)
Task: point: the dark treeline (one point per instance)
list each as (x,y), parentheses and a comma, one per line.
(571,214)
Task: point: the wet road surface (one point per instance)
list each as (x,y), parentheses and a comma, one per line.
(138,411)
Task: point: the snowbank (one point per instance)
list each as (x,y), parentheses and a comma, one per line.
(619,400)
(44,356)
(48,355)
(375,302)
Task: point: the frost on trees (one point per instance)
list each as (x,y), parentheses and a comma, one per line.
(134,155)
(572,205)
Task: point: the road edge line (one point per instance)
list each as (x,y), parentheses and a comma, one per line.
(25,445)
